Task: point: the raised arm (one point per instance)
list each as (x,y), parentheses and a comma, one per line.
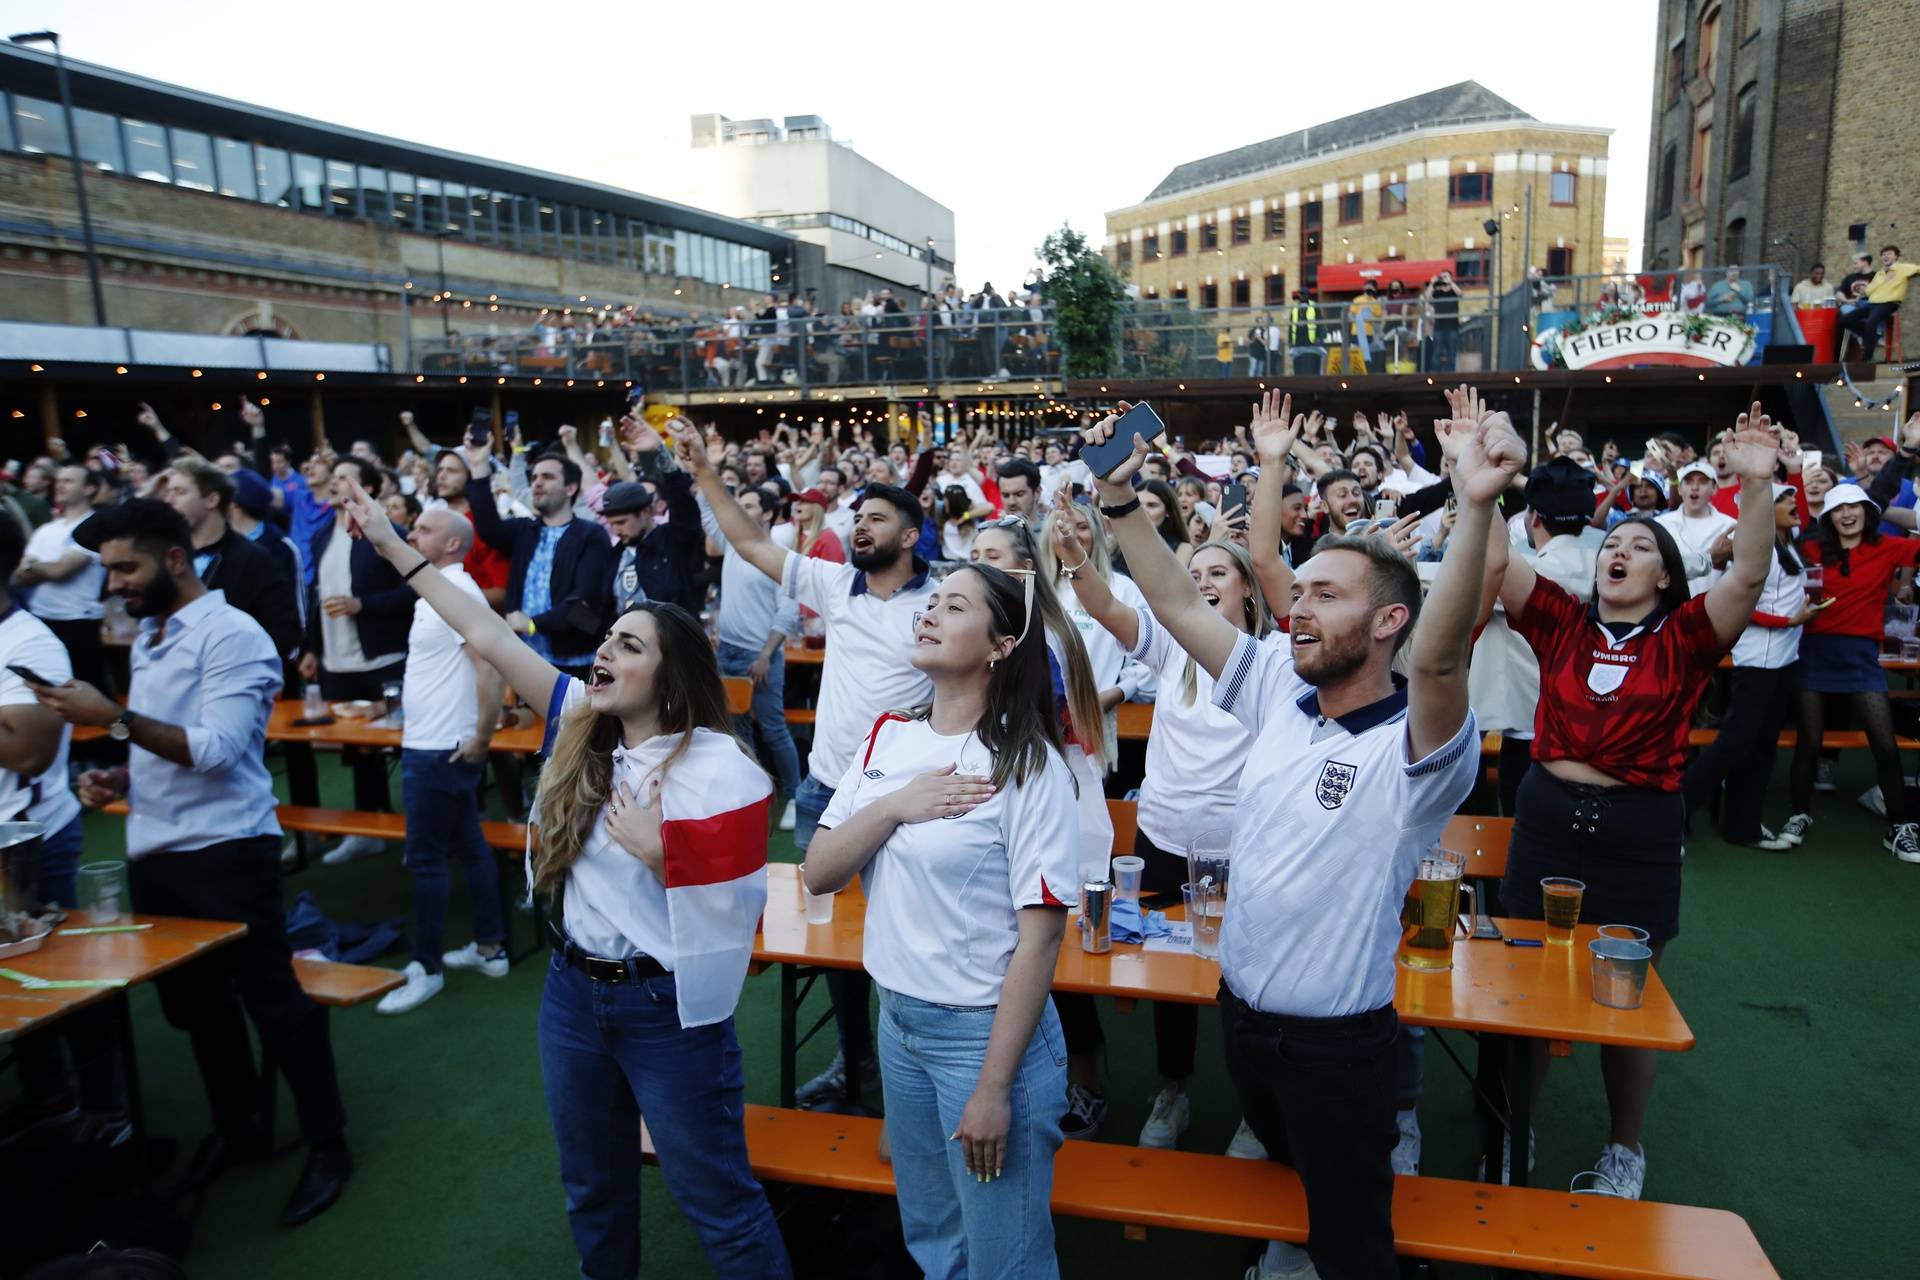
(1752,453)
(742,531)
(415,436)
(486,633)
(1275,431)
(1095,596)
(1443,642)
(1206,636)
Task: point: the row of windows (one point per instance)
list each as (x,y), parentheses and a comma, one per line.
(853,226)
(1471,266)
(1463,189)
(412,202)
(1700,158)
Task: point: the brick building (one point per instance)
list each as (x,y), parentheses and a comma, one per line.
(1779,128)
(1413,181)
(217,217)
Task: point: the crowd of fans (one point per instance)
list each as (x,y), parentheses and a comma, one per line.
(985,604)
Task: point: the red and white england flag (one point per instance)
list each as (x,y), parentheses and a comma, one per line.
(713,825)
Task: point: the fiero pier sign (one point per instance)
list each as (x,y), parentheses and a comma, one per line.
(1619,338)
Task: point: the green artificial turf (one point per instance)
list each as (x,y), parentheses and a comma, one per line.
(1794,1110)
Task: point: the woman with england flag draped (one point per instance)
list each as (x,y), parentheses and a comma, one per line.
(654,835)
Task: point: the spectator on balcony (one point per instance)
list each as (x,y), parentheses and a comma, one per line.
(1885,292)
(1861,274)
(1730,298)
(1693,294)
(1303,334)
(1442,299)
(1816,290)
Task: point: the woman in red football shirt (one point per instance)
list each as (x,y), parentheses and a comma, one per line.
(1840,649)
(1619,681)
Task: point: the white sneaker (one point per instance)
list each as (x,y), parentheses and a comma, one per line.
(1795,829)
(1903,842)
(786,819)
(470,958)
(419,988)
(1283,1261)
(1506,1163)
(1406,1152)
(1245,1146)
(353,848)
(1172,1112)
(1773,843)
(1618,1172)
(1873,801)
(290,852)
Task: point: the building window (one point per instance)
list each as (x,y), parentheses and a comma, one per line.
(147,151)
(374,200)
(1393,199)
(310,182)
(1149,246)
(1697,169)
(1669,160)
(192,159)
(1562,188)
(1241,293)
(1123,252)
(341,189)
(1350,207)
(1559,262)
(1676,69)
(1153,292)
(1242,229)
(1470,266)
(1275,290)
(1470,188)
(1209,297)
(1179,242)
(233,167)
(1733,242)
(99,135)
(1310,216)
(1709,41)
(38,126)
(1179,293)
(1276,223)
(406,202)
(1209,236)
(273,177)
(1744,107)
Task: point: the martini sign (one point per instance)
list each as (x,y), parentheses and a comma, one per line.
(1620,338)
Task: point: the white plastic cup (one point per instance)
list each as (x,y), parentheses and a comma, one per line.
(1127,870)
(819,906)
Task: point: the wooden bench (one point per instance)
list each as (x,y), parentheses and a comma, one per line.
(341,986)
(1474,1223)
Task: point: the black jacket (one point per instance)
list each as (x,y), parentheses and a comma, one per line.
(581,587)
(386,601)
(669,555)
(257,584)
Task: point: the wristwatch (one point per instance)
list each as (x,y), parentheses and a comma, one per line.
(122,729)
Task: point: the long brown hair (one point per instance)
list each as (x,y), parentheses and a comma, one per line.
(579,775)
(1076,668)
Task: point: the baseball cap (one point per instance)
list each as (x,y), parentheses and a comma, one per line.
(627,498)
(251,493)
(1779,491)
(1560,489)
(1885,442)
(814,496)
(1700,469)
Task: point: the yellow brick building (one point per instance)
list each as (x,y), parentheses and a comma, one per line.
(1414,180)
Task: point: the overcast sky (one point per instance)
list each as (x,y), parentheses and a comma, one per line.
(1016,116)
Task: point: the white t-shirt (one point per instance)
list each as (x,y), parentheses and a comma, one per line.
(339,638)
(1111,666)
(1696,538)
(976,496)
(956,539)
(1328,829)
(839,518)
(76,597)
(26,641)
(869,664)
(441,697)
(1195,751)
(942,895)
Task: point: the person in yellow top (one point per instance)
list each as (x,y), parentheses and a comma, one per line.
(1885,292)
(1223,352)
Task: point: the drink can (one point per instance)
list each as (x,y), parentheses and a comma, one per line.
(1096,917)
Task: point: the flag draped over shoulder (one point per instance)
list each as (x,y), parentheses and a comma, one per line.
(714,830)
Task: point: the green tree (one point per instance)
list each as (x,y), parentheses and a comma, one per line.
(1086,297)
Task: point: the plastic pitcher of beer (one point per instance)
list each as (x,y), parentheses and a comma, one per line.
(1430,917)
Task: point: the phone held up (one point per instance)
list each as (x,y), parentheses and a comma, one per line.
(1140,421)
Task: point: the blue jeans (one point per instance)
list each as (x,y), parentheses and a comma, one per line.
(59,863)
(442,804)
(613,1052)
(849,989)
(955,1225)
(769,712)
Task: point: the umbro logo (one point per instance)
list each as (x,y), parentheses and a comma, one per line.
(875,773)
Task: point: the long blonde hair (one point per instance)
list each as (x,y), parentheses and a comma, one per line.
(1083,698)
(1259,620)
(578,775)
(1100,558)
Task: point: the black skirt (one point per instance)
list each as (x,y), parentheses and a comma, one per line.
(1622,842)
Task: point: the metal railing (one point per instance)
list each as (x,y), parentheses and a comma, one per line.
(800,352)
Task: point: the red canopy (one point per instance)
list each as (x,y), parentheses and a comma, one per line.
(1352,277)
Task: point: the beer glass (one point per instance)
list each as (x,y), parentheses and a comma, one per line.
(1431,914)
(819,906)
(1560,906)
(1208,862)
(101,891)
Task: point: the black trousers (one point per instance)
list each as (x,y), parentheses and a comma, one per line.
(1516,757)
(370,790)
(1319,1094)
(1741,758)
(240,880)
(303,771)
(81,636)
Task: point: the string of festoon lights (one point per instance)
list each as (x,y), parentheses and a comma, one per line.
(1861,400)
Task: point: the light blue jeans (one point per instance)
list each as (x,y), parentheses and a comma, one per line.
(955,1225)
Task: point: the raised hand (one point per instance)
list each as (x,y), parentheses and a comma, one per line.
(149,419)
(1404,534)
(367,519)
(1910,433)
(1274,428)
(690,451)
(250,413)
(1121,476)
(1750,447)
(1490,457)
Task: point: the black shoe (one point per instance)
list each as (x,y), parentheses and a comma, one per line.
(321,1182)
(216,1154)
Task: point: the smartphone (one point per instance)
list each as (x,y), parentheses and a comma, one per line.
(513,420)
(1809,460)
(1384,511)
(480,426)
(1234,495)
(636,399)
(30,676)
(1140,421)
